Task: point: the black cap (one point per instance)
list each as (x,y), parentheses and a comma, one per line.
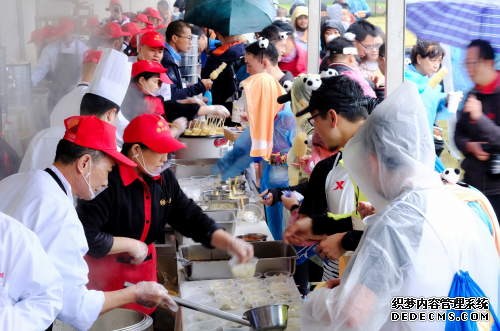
(285,98)
(323,6)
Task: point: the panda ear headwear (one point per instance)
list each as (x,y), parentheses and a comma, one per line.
(263,42)
(349,36)
(283,35)
(287,85)
(330,38)
(312,84)
(329,73)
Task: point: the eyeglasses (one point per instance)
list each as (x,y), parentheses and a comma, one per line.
(190,38)
(370,47)
(311,119)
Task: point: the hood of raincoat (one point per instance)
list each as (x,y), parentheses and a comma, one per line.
(300,100)
(298,11)
(393,151)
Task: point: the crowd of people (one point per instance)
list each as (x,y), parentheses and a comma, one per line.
(339,167)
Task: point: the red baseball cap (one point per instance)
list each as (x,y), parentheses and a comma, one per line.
(113,2)
(153,131)
(111,30)
(150,66)
(131,28)
(92,56)
(46,31)
(152,39)
(91,22)
(35,35)
(91,132)
(162,26)
(154,13)
(63,26)
(144,19)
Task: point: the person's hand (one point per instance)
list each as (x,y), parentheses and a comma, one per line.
(331,283)
(116,17)
(240,248)
(139,252)
(193,101)
(376,79)
(288,203)
(474,107)
(303,160)
(244,117)
(152,294)
(205,100)
(474,147)
(208,83)
(299,232)
(219,111)
(331,247)
(181,123)
(356,14)
(365,209)
(268,201)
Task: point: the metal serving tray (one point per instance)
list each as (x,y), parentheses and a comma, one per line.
(213,263)
(204,205)
(225,219)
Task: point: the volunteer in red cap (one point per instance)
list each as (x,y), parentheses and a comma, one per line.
(111,36)
(42,200)
(137,206)
(92,26)
(142,97)
(69,105)
(116,16)
(132,29)
(153,16)
(143,21)
(63,60)
(151,46)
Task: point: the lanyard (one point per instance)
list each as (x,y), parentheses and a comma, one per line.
(58,181)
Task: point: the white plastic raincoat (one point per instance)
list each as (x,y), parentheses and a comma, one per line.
(401,253)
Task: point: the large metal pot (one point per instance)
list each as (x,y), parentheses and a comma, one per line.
(202,147)
(115,320)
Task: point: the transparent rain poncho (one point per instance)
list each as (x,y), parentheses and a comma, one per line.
(402,253)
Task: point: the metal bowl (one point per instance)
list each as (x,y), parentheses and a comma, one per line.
(274,317)
(251,237)
(117,319)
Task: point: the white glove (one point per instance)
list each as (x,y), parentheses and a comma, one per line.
(181,122)
(219,111)
(152,294)
(240,248)
(140,254)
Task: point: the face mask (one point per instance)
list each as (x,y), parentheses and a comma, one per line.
(157,172)
(153,94)
(92,194)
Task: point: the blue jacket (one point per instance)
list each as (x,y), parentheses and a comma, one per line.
(176,89)
(223,86)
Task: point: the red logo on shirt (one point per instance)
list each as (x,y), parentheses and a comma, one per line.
(1,274)
(340,185)
(491,116)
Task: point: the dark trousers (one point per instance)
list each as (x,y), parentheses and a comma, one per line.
(495,203)
(305,273)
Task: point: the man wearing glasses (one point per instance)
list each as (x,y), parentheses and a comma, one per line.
(477,133)
(178,36)
(365,37)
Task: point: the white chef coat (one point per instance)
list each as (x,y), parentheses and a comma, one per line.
(35,199)
(29,282)
(48,59)
(121,123)
(41,151)
(69,105)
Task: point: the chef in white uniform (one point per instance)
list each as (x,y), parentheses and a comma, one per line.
(31,288)
(60,63)
(70,103)
(110,81)
(42,200)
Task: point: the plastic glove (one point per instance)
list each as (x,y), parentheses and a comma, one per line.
(152,294)
(140,254)
(240,248)
(268,201)
(219,111)
(181,123)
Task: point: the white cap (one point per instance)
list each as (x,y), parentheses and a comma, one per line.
(112,76)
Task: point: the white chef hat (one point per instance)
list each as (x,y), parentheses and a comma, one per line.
(112,76)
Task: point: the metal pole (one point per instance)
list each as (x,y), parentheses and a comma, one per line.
(395,44)
(313,32)
(375,8)
(20,28)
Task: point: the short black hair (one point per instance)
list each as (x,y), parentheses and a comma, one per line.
(147,76)
(68,152)
(284,26)
(335,48)
(362,29)
(196,30)
(380,32)
(381,51)
(345,6)
(271,32)
(486,52)
(342,87)
(337,2)
(93,104)
(426,48)
(270,52)
(175,28)
(163,3)
(126,147)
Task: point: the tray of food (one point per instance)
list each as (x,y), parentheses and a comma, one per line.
(218,205)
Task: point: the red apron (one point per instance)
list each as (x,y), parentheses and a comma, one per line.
(112,271)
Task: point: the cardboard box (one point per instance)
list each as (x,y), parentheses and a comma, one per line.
(232,133)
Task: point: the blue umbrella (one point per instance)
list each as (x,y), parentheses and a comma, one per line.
(230,17)
(455,22)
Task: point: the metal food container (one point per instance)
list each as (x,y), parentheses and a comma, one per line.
(199,147)
(185,168)
(213,263)
(207,204)
(223,218)
(115,320)
(253,237)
